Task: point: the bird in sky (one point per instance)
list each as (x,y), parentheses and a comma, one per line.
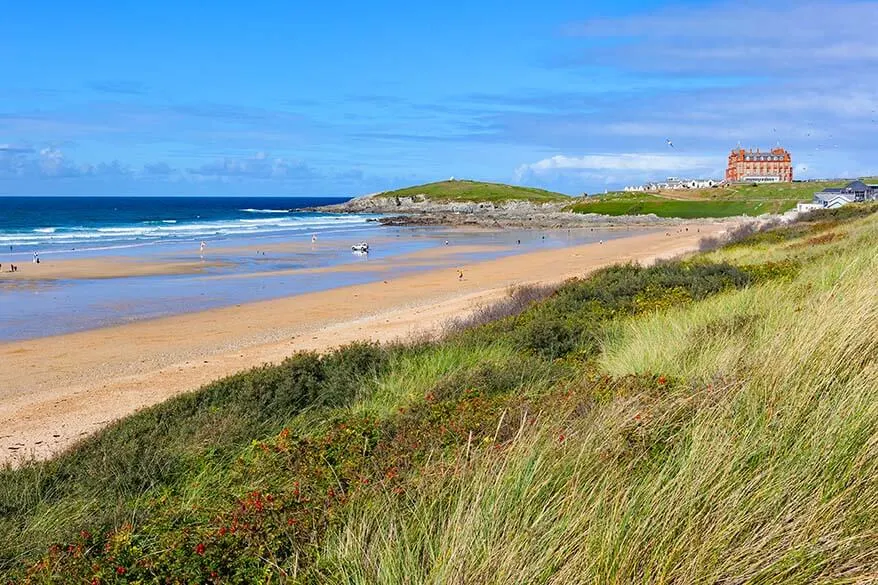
(670,144)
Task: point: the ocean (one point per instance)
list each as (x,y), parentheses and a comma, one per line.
(64,224)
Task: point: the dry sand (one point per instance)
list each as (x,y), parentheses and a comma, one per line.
(56,390)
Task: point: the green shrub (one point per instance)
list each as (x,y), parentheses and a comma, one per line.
(551,338)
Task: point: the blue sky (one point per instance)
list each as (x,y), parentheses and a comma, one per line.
(346,98)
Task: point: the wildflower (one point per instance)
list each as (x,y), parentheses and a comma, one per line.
(662,380)
(199,549)
(84,534)
(562,437)
(120,570)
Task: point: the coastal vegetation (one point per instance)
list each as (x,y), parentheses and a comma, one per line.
(476,192)
(724,201)
(708,419)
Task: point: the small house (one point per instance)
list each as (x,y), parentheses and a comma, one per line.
(853,192)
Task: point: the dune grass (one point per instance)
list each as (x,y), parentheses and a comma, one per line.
(708,420)
(763,467)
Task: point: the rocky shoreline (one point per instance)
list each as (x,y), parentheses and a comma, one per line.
(419,210)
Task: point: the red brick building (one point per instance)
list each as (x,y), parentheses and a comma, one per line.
(775,166)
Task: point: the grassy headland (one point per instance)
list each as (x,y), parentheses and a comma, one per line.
(707,420)
(723,201)
(477,192)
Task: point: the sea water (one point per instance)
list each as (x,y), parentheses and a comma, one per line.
(50,225)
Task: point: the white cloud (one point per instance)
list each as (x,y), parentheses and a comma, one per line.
(634,163)
(749,37)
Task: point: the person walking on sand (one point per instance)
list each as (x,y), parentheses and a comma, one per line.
(201,249)
(313,238)
(459,274)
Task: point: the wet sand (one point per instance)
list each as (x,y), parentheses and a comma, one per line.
(127,267)
(56,390)
(101,268)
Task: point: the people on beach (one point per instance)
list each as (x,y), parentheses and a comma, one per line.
(201,248)
(36,259)
(313,238)
(459,274)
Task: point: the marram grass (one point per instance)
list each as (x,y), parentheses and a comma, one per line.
(766,473)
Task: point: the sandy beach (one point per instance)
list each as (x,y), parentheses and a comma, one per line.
(56,390)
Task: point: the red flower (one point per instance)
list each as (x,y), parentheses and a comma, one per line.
(199,549)
(120,570)
(562,437)
(662,380)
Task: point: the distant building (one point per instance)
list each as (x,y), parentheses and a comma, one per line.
(674,184)
(854,192)
(747,166)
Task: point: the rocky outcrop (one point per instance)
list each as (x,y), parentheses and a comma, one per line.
(419,210)
(421,204)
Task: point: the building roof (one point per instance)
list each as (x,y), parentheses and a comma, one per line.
(830,196)
(856,186)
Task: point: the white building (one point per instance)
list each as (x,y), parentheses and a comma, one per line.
(674,184)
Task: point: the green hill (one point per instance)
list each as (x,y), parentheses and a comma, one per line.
(477,192)
(708,420)
(723,201)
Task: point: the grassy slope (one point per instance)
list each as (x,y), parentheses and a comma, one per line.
(477,192)
(693,422)
(720,202)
